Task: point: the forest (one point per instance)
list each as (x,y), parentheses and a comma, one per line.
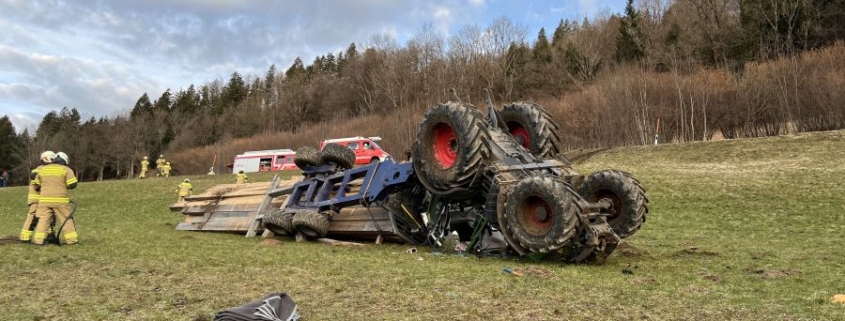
(701,69)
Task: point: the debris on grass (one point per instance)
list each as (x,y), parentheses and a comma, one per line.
(839,298)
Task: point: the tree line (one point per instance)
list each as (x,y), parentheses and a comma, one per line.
(736,68)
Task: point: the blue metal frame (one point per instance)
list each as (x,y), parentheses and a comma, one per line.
(315,191)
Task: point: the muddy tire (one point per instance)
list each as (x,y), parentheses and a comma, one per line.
(311,224)
(278,222)
(534,128)
(450,148)
(630,204)
(307,156)
(542,213)
(338,154)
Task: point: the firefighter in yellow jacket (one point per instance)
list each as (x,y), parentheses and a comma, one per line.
(54,181)
(184,189)
(165,169)
(145,164)
(241,178)
(160,165)
(33,197)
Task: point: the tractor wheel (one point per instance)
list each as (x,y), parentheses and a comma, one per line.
(533,127)
(450,148)
(307,156)
(278,222)
(340,155)
(630,204)
(542,213)
(312,224)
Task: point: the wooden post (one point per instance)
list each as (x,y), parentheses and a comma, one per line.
(379,238)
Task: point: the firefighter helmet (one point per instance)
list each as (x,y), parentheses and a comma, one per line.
(64,157)
(47,156)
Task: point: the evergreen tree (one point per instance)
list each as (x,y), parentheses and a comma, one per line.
(542,50)
(10,145)
(629,44)
(142,106)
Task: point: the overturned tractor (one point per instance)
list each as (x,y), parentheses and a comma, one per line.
(482,176)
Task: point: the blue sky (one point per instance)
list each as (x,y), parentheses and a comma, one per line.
(100,56)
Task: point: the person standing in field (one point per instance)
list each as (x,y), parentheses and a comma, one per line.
(165,169)
(33,197)
(54,181)
(160,165)
(4,178)
(211,171)
(145,164)
(241,178)
(184,189)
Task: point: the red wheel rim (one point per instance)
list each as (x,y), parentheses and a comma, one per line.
(536,215)
(519,132)
(445,145)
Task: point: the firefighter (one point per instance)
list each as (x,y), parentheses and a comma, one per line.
(165,170)
(184,189)
(32,198)
(54,181)
(145,164)
(159,165)
(241,178)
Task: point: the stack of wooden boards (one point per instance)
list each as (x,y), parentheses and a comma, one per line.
(234,208)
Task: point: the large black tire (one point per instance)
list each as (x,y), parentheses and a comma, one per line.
(534,128)
(542,213)
(451,146)
(340,155)
(311,224)
(630,204)
(278,222)
(307,156)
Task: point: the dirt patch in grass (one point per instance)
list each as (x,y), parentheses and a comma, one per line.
(270,242)
(772,274)
(643,281)
(780,274)
(712,277)
(628,250)
(695,252)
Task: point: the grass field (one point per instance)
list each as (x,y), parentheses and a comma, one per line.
(743,230)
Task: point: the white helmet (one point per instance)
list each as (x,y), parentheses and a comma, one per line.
(187,180)
(63,156)
(145,157)
(160,156)
(47,156)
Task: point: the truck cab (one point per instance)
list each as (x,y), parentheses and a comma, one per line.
(365,148)
(264,161)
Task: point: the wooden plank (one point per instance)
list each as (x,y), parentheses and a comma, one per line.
(253,227)
(338,243)
(361,226)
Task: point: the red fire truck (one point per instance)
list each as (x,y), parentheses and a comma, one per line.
(365,148)
(264,161)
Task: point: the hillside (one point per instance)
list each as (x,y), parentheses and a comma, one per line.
(746,229)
